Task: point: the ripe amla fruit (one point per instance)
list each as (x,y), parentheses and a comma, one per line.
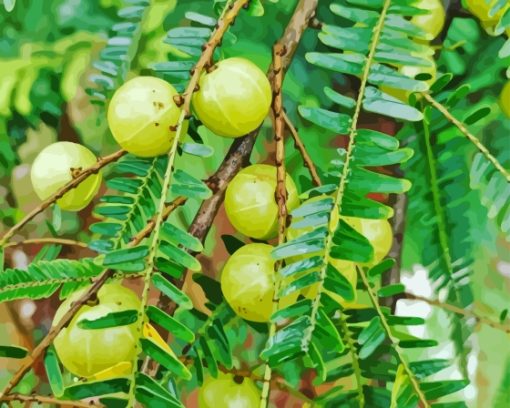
(54,167)
(250,201)
(85,352)
(234,98)
(247,283)
(431,23)
(141,116)
(504,99)
(228,391)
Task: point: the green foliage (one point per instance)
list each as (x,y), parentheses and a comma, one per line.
(363,354)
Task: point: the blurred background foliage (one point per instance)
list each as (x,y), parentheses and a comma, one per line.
(50,90)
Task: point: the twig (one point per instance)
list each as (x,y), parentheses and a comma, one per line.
(49,400)
(461,311)
(64,321)
(298,143)
(43,241)
(280,195)
(468,134)
(79,178)
(398,351)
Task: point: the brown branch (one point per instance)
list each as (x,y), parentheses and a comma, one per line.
(299,145)
(461,311)
(281,194)
(49,400)
(79,178)
(43,241)
(279,128)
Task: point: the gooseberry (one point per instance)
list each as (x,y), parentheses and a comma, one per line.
(85,352)
(55,166)
(247,283)
(378,232)
(228,391)
(234,98)
(142,116)
(504,99)
(250,201)
(431,23)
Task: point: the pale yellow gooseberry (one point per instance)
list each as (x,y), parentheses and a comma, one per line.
(143,115)
(56,165)
(431,23)
(247,283)
(87,352)
(233,98)
(250,201)
(504,99)
(228,391)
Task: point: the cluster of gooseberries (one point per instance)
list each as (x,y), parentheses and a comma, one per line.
(143,116)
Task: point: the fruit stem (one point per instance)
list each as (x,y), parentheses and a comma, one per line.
(298,143)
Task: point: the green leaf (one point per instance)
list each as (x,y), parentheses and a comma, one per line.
(179,256)
(335,122)
(196,149)
(13,351)
(336,282)
(381,267)
(114,319)
(52,367)
(379,102)
(123,256)
(350,244)
(95,388)
(438,389)
(391,290)
(371,337)
(170,324)
(170,362)
(177,236)
(152,394)
(171,291)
